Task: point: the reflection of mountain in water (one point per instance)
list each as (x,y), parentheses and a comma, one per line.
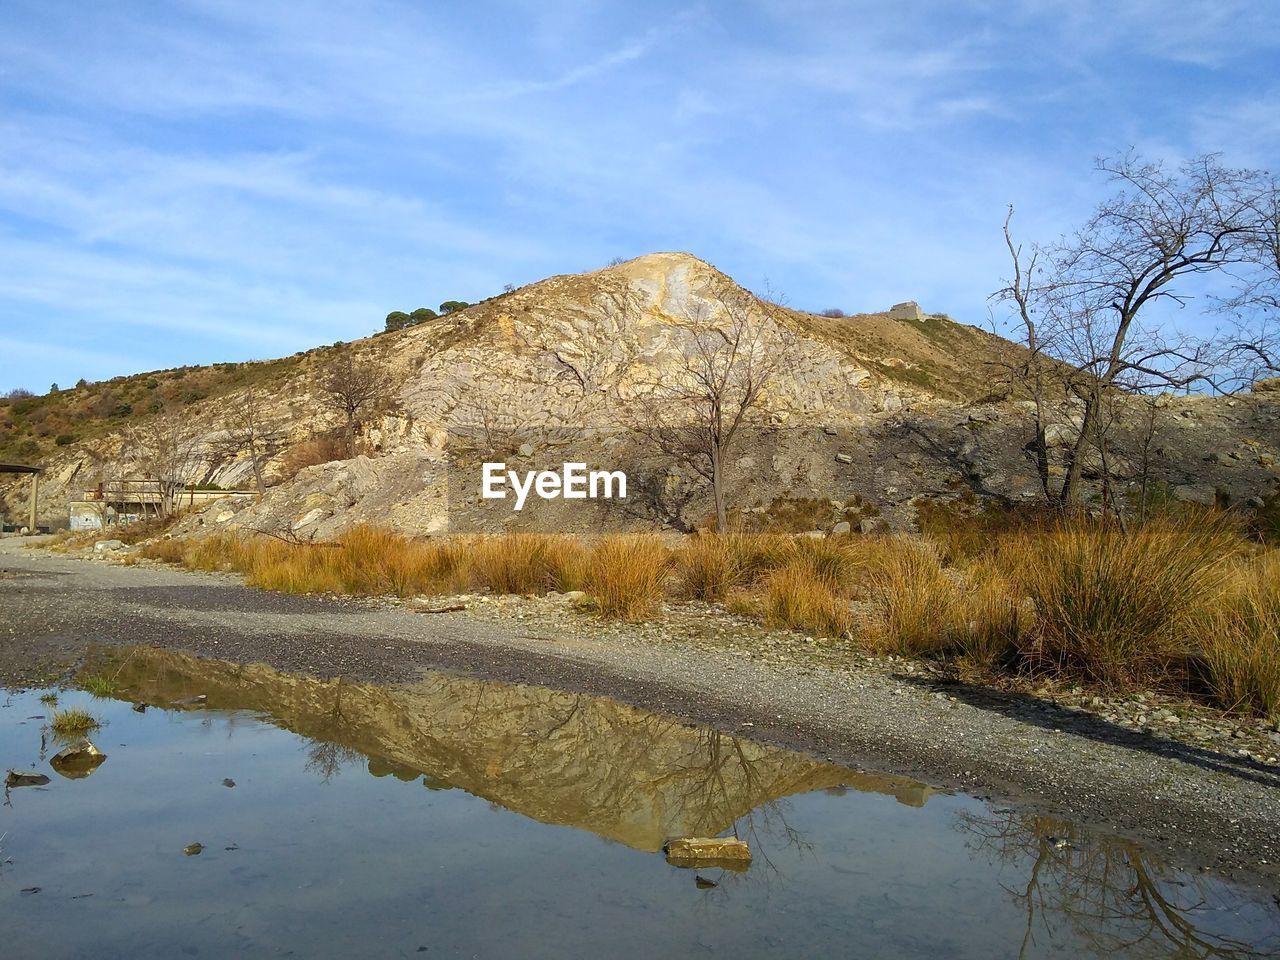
(560,758)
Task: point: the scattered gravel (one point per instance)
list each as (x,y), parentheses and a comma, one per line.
(1202,788)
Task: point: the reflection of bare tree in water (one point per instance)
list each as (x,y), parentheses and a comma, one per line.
(325,755)
(326,759)
(721,777)
(1110,894)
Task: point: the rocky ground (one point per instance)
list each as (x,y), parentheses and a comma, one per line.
(1202,788)
(711,628)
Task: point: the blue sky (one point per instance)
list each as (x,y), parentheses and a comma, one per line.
(191,181)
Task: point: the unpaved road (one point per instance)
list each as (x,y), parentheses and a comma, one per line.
(1200,808)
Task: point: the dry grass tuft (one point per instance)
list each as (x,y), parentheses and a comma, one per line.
(798,598)
(709,568)
(528,563)
(1120,608)
(628,575)
(918,600)
(993,623)
(1241,640)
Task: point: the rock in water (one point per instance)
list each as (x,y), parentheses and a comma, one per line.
(192,849)
(196,701)
(708,851)
(78,760)
(25,778)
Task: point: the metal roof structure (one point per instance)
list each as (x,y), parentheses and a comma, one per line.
(35,488)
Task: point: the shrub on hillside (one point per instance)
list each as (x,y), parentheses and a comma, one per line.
(312,453)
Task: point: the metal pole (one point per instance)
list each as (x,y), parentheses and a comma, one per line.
(35,500)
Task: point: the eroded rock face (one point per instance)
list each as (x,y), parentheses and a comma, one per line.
(871,407)
(561,758)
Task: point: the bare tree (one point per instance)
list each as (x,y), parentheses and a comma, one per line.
(1084,306)
(1255,305)
(354,388)
(247,434)
(170,452)
(736,356)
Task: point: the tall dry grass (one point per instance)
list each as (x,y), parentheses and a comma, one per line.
(1240,639)
(1180,599)
(993,622)
(709,568)
(1116,607)
(528,563)
(917,598)
(795,598)
(628,575)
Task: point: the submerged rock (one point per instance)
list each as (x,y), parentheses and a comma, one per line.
(25,778)
(78,760)
(198,700)
(704,851)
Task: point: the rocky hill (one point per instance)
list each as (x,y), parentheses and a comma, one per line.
(871,413)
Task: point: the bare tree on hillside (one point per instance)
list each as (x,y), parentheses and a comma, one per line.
(696,415)
(354,388)
(170,452)
(100,476)
(1083,305)
(247,434)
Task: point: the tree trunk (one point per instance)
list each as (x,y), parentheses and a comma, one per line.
(255,461)
(1070,498)
(717,490)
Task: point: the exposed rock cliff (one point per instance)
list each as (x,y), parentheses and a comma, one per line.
(873,411)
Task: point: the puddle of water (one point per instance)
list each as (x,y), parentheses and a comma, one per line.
(463,818)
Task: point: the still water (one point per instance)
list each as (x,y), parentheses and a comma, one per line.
(461,818)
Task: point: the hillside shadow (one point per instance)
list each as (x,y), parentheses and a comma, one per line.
(1050,716)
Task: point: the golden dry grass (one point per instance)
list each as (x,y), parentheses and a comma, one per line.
(1177,600)
(628,575)
(708,568)
(797,598)
(917,598)
(527,563)
(1116,607)
(1240,639)
(992,622)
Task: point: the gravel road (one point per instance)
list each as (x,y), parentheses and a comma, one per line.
(1201,808)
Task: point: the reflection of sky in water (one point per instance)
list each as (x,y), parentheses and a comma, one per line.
(330,861)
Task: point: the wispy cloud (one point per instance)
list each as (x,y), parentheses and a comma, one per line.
(208,179)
